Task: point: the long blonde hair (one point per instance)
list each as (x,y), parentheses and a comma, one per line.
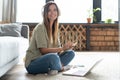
(47,23)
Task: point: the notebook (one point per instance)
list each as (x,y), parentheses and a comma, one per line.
(82,70)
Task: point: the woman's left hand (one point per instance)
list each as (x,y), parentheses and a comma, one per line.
(69,45)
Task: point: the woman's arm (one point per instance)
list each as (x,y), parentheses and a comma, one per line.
(67,46)
(50,50)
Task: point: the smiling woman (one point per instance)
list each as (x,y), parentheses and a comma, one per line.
(45,53)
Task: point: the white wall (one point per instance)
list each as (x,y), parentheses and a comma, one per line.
(1,1)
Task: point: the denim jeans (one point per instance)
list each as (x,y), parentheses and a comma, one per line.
(50,61)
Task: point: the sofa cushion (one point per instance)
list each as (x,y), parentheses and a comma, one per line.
(11,48)
(11,29)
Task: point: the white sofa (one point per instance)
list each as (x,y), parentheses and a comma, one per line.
(14,40)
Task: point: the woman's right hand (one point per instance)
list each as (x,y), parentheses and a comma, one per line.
(68,45)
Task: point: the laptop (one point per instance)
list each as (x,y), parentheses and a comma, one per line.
(82,70)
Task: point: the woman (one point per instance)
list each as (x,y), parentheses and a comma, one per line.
(44,54)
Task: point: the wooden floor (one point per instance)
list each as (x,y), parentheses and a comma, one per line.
(108,69)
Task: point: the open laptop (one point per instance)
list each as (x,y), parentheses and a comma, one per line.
(82,70)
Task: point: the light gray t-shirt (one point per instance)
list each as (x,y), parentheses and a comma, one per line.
(38,40)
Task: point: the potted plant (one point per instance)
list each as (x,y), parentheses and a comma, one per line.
(91,15)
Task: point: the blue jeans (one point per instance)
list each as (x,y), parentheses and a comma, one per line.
(50,61)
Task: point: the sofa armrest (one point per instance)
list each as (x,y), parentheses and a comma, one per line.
(25,31)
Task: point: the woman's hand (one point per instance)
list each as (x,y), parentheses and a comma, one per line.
(69,45)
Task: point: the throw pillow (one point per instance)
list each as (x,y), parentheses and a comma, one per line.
(11,29)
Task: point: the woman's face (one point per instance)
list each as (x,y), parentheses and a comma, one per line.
(52,12)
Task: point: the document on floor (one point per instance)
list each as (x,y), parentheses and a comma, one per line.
(82,70)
